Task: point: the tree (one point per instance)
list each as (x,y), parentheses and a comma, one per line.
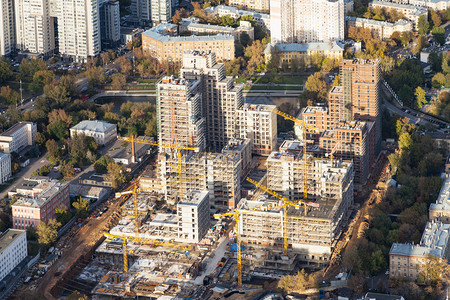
(116,174)
(80,145)
(57,93)
(423,25)
(9,96)
(43,171)
(254,54)
(47,232)
(438,80)
(124,65)
(435,18)
(316,83)
(405,38)
(66,169)
(58,130)
(43,77)
(118,81)
(420,97)
(5,71)
(101,165)
(445,63)
(60,115)
(76,295)
(405,141)
(95,76)
(68,84)
(53,150)
(82,206)
(62,215)
(439,34)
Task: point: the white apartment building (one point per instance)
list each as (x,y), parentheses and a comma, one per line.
(161,11)
(432,4)
(411,12)
(110,23)
(7,35)
(13,249)
(261,19)
(256,5)
(17,137)
(5,167)
(102,132)
(78,29)
(193,216)
(294,21)
(259,124)
(34,27)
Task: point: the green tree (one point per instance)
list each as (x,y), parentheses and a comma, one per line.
(116,174)
(423,25)
(82,206)
(62,215)
(405,141)
(43,171)
(438,80)
(439,34)
(445,63)
(57,93)
(101,165)
(420,97)
(5,71)
(47,232)
(53,150)
(58,130)
(9,96)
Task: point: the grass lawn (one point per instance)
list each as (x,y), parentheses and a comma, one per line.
(146,80)
(273,88)
(277,80)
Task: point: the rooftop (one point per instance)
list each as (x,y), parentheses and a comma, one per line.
(93,176)
(237,11)
(11,130)
(314,109)
(94,125)
(49,189)
(155,33)
(296,145)
(193,197)
(8,237)
(400,22)
(443,200)
(236,144)
(399,5)
(306,47)
(258,107)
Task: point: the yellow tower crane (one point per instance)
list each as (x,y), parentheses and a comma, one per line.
(143,241)
(133,140)
(284,205)
(305,164)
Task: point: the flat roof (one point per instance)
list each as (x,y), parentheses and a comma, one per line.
(94,125)
(400,22)
(193,197)
(11,130)
(151,33)
(306,47)
(398,5)
(236,144)
(8,237)
(49,189)
(443,200)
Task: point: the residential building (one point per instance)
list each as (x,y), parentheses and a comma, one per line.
(193,25)
(110,24)
(254,5)
(5,167)
(258,123)
(349,6)
(406,260)
(7,30)
(17,137)
(302,53)
(161,11)
(127,34)
(243,149)
(220,97)
(382,29)
(95,179)
(441,209)
(30,211)
(79,29)
(294,21)
(312,236)
(13,249)
(141,12)
(34,27)
(179,112)
(432,4)
(102,132)
(261,19)
(29,186)
(172,48)
(193,216)
(411,12)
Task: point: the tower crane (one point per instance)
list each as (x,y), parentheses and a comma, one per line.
(133,140)
(125,240)
(305,164)
(338,144)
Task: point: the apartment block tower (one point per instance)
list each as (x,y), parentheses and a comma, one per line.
(7,34)
(179,112)
(109,24)
(221,98)
(295,21)
(161,11)
(34,27)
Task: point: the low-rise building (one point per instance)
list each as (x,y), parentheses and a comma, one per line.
(411,12)
(171,48)
(30,211)
(441,209)
(89,192)
(17,137)
(96,179)
(127,34)
(406,260)
(193,25)
(5,167)
(13,249)
(261,19)
(432,4)
(193,216)
(102,132)
(383,29)
(302,52)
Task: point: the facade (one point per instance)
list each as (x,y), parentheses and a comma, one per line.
(242,148)
(259,124)
(179,112)
(161,11)
(7,28)
(102,132)
(79,29)
(141,11)
(5,167)
(30,211)
(220,97)
(17,137)
(192,25)
(253,5)
(410,12)
(441,209)
(193,216)
(261,19)
(34,27)
(383,29)
(406,260)
(110,24)
(433,4)
(172,48)
(294,21)
(303,52)
(95,179)
(13,249)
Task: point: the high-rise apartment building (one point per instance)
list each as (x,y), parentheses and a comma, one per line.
(179,112)
(34,27)
(78,29)
(161,11)
(110,24)
(7,34)
(221,98)
(293,21)
(141,11)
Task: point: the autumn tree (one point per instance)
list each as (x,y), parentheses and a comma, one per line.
(405,141)
(116,174)
(47,232)
(43,77)
(62,215)
(82,206)
(420,97)
(53,149)
(57,93)
(95,76)
(9,96)
(60,115)
(118,81)
(125,66)
(254,54)
(101,165)
(316,84)
(5,71)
